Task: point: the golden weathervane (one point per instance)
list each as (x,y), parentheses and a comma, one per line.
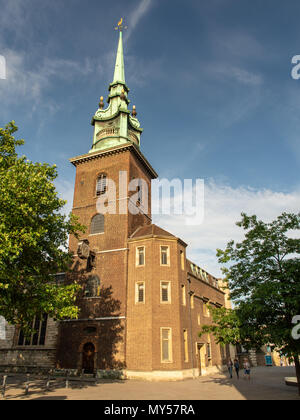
(120,26)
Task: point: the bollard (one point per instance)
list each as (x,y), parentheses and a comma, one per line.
(48,383)
(27,385)
(4,386)
(67,380)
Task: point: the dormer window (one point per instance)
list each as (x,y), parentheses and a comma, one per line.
(101,186)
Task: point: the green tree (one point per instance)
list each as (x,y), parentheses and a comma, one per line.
(226,326)
(33,238)
(263,275)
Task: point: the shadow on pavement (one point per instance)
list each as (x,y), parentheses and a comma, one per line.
(266,383)
(15,388)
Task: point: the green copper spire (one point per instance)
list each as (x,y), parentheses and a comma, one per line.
(114,126)
(119,75)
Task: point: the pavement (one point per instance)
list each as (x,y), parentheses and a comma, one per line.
(267,383)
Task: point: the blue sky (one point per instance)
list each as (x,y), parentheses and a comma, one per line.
(211,81)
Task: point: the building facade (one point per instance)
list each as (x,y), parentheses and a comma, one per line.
(142,302)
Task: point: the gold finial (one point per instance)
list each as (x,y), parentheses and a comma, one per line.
(101,103)
(120,26)
(134,113)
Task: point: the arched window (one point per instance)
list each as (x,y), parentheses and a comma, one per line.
(97,225)
(101,185)
(92,288)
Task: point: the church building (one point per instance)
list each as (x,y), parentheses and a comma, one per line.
(142,302)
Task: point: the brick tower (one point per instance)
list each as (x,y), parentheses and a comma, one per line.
(114,164)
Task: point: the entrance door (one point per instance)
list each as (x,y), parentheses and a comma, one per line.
(201,358)
(88,358)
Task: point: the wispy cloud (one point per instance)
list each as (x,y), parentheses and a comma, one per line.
(237,74)
(136,16)
(27,80)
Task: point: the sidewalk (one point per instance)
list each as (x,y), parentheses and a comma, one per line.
(266,384)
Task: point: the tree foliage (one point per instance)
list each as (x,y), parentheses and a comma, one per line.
(226,326)
(33,238)
(263,275)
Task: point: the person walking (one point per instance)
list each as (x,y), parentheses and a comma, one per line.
(247,369)
(230,367)
(237,368)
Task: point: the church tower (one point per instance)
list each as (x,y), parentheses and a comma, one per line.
(116,173)
(142,301)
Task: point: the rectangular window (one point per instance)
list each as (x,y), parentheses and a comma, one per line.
(192,300)
(164,255)
(185,343)
(140,293)
(183,295)
(140,256)
(101,185)
(38,336)
(166,345)
(199,319)
(182,260)
(165,296)
(208,349)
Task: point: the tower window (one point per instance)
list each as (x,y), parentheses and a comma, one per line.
(140,293)
(164,255)
(97,225)
(101,186)
(140,256)
(165,292)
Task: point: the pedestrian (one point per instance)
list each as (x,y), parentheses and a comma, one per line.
(230,367)
(247,369)
(237,368)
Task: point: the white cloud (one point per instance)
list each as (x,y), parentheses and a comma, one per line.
(26,83)
(238,74)
(223,208)
(136,16)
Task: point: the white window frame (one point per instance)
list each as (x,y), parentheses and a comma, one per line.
(137,284)
(137,258)
(170,345)
(168,256)
(168,283)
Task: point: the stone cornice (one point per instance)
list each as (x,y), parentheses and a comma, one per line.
(115,150)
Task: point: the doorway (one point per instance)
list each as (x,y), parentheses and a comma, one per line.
(201,358)
(88,358)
